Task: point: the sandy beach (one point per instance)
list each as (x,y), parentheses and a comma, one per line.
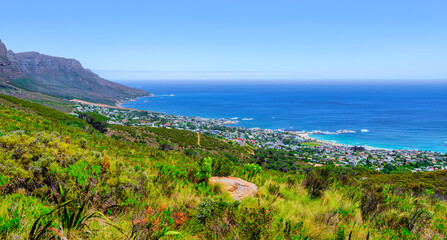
(103,105)
(306,136)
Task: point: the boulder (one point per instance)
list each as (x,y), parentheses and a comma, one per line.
(236,187)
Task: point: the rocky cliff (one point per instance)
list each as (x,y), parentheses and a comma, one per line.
(8,69)
(60,77)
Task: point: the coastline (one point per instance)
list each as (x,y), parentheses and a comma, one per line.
(347,145)
(103,105)
(307,135)
(119,103)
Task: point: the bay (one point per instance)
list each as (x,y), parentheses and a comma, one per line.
(392,116)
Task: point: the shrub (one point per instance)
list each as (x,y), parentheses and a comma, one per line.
(251,170)
(42,160)
(98,121)
(279,160)
(292,180)
(344,179)
(388,168)
(412,221)
(255,223)
(3,180)
(193,153)
(158,222)
(222,167)
(346,214)
(75,123)
(273,189)
(165,146)
(217,216)
(168,177)
(370,204)
(315,184)
(232,158)
(205,170)
(419,218)
(83,172)
(204,189)
(292,230)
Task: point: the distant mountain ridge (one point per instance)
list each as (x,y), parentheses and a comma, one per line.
(60,77)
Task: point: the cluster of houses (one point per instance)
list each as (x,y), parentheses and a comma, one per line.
(412,160)
(151,119)
(317,152)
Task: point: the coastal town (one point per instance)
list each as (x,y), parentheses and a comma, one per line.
(300,143)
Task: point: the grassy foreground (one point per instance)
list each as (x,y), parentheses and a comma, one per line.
(60,178)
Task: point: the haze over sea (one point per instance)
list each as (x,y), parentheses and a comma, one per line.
(397,116)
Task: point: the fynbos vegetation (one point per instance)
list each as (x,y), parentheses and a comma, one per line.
(63,177)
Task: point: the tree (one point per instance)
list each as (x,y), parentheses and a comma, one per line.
(97,121)
(388,168)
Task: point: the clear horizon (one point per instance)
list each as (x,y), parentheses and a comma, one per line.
(117,75)
(235,39)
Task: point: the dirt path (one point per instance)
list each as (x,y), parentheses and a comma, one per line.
(198,139)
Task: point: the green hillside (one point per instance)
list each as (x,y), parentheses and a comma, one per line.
(46,100)
(61,177)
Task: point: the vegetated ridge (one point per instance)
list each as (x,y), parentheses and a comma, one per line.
(59,77)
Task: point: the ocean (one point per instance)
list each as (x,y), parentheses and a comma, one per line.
(391,116)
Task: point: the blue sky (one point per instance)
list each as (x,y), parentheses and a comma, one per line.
(236,39)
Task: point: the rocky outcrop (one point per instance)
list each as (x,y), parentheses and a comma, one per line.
(60,77)
(236,187)
(8,68)
(3,49)
(35,63)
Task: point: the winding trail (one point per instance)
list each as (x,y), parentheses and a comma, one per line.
(198,139)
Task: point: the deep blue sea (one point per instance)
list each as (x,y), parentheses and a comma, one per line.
(397,116)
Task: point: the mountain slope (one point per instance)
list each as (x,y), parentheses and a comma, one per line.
(60,77)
